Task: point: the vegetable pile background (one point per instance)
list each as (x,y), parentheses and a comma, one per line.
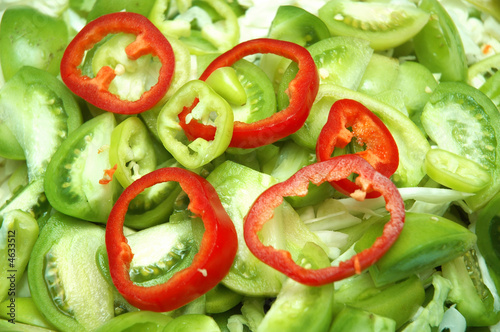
(225,165)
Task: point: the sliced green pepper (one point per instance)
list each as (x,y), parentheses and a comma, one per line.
(199,152)
(455,172)
(131,148)
(256,101)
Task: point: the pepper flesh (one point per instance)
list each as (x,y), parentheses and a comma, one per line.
(149,40)
(381,149)
(302,92)
(211,263)
(330,170)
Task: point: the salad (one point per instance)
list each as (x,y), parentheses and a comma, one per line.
(246,165)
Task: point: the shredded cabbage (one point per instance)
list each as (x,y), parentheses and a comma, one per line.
(475,32)
(432,314)
(435,197)
(453,321)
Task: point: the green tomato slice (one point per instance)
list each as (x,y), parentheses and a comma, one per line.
(136,321)
(18,234)
(384,25)
(438,45)
(426,242)
(39,133)
(31,38)
(455,172)
(462,120)
(63,276)
(297,25)
(72,180)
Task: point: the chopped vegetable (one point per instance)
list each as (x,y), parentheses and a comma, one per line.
(210,264)
(149,40)
(166,165)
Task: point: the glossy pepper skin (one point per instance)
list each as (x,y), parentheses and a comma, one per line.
(211,263)
(302,92)
(380,151)
(149,40)
(330,170)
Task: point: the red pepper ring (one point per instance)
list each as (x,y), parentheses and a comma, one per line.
(331,170)
(302,92)
(380,151)
(149,40)
(210,265)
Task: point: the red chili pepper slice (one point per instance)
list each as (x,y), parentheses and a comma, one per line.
(149,40)
(330,170)
(380,151)
(302,92)
(210,265)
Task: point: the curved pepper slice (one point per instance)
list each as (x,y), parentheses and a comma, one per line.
(211,263)
(330,170)
(208,104)
(302,92)
(380,151)
(149,40)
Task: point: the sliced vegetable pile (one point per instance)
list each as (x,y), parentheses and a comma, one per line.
(250,166)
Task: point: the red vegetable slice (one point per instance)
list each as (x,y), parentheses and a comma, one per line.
(302,92)
(210,265)
(96,90)
(330,170)
(380,151)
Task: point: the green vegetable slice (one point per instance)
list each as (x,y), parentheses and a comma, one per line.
(455,172)
(462,120)
(385,25)
(64,280)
